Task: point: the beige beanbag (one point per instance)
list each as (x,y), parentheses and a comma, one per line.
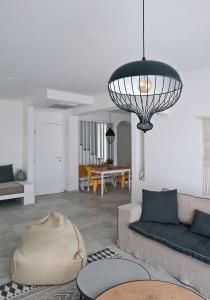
(53,252)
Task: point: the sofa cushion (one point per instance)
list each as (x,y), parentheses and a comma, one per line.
(177,237)
(10,188)
(160,206)
(6,173)
(201,223)
(187,205)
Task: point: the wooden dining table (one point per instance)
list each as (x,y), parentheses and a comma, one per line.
(113,170)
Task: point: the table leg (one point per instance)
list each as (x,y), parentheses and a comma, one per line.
(82,297)
(129,180)
(102,184)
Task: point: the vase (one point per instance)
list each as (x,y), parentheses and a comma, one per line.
(20,175)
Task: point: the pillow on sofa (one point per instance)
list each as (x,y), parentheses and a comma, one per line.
(160,207)
(201,223)
(187,205)
(6,173)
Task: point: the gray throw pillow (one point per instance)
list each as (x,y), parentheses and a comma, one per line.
(160,207)
(201,223)
(6,173)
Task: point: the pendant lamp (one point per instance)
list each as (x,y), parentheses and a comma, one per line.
(110,135)
(145,87)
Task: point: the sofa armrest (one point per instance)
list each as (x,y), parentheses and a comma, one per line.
(127,214)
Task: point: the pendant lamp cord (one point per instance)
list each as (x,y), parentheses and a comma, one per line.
(143,58)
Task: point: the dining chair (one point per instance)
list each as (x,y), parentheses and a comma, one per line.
(94,181)
(122,178)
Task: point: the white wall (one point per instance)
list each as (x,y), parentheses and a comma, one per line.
(136,156)
(66,97)
(11,133)
(174,147)
(44,116)
(103,116)
(101,102)
(28,141)
(71,151)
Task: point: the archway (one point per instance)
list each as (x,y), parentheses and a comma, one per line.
(123,143)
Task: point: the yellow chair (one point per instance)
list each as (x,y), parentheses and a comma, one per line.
(122,178)
(94,181)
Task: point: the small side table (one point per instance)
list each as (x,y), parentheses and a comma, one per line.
(98,276)
(29,197)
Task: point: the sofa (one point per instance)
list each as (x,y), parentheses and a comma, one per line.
(155,243)
(11,189)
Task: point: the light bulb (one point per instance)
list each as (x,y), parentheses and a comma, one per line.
(145,85)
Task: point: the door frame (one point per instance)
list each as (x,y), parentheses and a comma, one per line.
(62,149)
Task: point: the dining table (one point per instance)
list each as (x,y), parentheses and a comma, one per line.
(112,170)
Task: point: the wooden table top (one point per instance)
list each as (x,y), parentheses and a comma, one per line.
(149,290)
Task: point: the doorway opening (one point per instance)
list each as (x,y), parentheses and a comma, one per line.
(124,143)
(49,158)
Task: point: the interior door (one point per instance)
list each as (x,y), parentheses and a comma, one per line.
(48,158)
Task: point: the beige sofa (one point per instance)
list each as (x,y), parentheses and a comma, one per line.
(187,269)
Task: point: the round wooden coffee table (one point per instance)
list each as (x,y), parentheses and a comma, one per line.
(149,290)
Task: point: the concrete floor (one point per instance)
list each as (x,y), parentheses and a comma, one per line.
(95,216)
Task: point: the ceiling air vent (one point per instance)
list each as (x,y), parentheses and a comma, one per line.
(61,106)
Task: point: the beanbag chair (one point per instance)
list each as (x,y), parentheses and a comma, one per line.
(53,252)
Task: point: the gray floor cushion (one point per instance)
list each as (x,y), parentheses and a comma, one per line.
(177,237)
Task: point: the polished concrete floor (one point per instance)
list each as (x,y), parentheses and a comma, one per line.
(95,216)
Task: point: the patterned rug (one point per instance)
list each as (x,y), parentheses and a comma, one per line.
(67,291)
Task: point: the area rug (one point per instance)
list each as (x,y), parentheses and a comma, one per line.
(68,291)
(11,290)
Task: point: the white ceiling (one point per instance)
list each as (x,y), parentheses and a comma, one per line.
(74,45)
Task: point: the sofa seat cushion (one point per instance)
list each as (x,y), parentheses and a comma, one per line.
(10,188)
(177,237)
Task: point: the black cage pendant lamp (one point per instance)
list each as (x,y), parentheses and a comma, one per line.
(145,87)
(110,135)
